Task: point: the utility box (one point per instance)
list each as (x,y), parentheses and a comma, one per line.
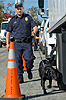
(57,24)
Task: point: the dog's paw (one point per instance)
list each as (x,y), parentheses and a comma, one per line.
(45,92)
(49,86)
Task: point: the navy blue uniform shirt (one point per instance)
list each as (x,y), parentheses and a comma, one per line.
(21,26)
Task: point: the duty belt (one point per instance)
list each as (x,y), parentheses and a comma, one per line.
(20,41)
(26,40)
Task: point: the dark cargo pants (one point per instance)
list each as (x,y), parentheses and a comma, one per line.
(26,49)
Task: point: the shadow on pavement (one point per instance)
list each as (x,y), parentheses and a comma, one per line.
(34,96)
(32,80)
(56,92)
(39,95)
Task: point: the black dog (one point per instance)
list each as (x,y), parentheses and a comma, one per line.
(47,72)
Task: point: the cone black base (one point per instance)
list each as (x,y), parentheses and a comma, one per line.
(19,98)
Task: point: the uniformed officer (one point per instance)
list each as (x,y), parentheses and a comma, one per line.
(21,25)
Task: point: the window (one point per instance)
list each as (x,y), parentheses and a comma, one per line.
(48,25)
(50,35)
(4,25)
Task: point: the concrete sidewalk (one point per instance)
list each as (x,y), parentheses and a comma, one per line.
(30,88)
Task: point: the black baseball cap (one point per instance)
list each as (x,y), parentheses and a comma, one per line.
(18,4)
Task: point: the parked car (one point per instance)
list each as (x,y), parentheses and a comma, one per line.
(41,33)
(48,40)
(3,33)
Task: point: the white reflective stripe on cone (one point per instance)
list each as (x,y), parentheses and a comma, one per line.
(11,54)
(11,64)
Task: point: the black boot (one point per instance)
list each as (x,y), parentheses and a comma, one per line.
(29,73)
(20,77)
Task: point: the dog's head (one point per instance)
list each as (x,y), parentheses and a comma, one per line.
(42,63)
(51,72)
(45,69)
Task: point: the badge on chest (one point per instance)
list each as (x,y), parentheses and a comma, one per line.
(26,18)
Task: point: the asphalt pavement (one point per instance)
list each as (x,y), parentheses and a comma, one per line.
(30,88)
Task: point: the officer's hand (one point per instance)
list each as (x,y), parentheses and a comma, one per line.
(7,46)
(33,33)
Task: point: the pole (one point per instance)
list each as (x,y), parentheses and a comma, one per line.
(22,2)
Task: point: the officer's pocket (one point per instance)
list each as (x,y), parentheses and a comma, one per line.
(26,24)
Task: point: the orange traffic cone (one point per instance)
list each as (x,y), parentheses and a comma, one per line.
(24,64)
(12,89)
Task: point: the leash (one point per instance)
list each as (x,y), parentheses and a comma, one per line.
(39,51)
